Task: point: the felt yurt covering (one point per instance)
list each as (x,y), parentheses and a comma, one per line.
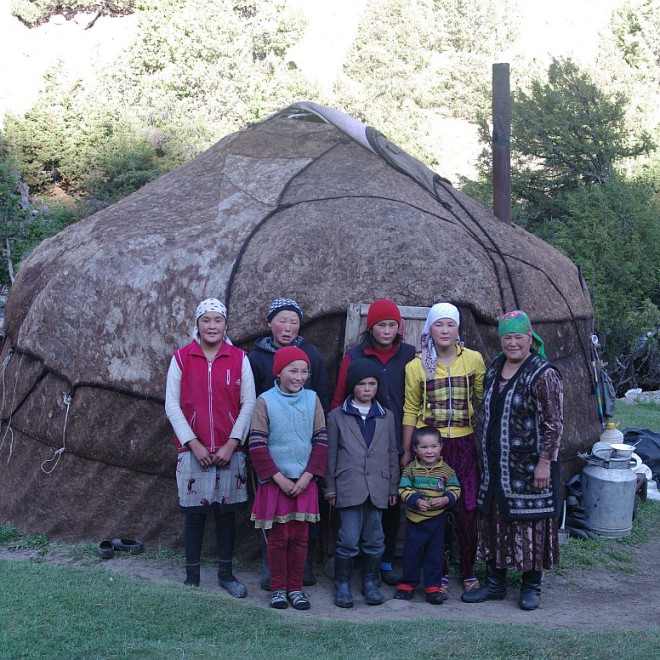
(308,204)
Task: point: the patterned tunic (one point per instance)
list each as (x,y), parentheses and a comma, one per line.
(525,544)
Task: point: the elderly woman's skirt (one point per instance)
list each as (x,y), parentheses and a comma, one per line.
(531,545)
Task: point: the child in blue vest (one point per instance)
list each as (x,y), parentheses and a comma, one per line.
(288,448)
(361,479)
(428,488)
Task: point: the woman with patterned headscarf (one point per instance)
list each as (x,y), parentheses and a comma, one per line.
(209,401)
(519,491)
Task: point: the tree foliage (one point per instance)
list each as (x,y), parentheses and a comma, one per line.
(35,12)
(585,172)
(570,146)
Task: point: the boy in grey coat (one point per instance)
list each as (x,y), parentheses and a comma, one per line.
(361,479)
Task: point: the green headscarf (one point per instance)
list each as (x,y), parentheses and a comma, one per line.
(518,322)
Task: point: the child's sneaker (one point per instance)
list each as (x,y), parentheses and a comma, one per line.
(470,584)
(403,593)
(434,597)
(278,600)
(444,587)
(299,600)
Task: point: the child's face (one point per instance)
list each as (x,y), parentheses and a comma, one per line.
(365,390)
(284,326)
(444,332)
(294,376)
(384,333)
(428,450)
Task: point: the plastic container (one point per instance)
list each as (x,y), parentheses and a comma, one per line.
(611,434)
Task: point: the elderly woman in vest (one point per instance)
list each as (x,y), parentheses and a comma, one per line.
(519,490)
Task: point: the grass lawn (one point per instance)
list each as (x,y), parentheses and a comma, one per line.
(56,612)
(642,415)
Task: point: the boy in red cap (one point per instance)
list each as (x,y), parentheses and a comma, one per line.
(382,344)
(288,447)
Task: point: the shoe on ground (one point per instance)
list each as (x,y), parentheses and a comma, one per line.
(435,598)
(404,594)
(106,550)
(299,600)
(444,587)
(128,545)
(233,587)
(471,584)
(389,577)
(278,600)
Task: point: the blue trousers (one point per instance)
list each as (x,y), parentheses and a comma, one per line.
(360,528)
(424,547)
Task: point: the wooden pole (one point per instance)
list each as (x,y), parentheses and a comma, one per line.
(502,143)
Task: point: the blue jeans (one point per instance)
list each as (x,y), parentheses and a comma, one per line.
(360,528)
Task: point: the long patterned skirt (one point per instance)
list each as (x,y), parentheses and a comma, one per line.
(531,545)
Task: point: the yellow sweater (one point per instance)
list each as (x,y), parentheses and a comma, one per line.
(445,401)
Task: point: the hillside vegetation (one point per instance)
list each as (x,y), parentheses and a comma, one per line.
(586,168)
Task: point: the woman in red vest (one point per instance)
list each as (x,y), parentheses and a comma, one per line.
(209,401)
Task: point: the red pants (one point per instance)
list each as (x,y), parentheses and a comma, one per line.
(287,548)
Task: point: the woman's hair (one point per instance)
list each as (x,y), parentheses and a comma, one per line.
(425,431)
(367,339)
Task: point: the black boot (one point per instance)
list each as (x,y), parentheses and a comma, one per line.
(342,581)
(370,574)
(308,572)
(192,575)
(227,580)
(494,586)
(530,590)
(388,576)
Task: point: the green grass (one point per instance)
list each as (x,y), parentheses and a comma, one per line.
(642,415)
(50,611)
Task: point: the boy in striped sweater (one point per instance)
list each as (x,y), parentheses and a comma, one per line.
(428,488)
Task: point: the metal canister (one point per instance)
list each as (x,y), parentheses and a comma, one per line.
(608,496)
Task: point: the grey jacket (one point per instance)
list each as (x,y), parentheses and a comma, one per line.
(354,471)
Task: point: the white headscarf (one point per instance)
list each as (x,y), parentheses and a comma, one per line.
(429,354)
(209,305)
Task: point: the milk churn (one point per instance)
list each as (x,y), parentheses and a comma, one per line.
(608,492)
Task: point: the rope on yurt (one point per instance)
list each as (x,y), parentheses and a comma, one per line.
(9,430)
(66,398)
(585,355)
(278,207)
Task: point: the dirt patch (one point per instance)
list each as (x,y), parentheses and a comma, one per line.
(594,598)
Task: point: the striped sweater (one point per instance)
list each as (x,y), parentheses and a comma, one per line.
(419,481)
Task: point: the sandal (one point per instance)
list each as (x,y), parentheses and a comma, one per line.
(278,600)
(470,584)
(299,600)
(444,587)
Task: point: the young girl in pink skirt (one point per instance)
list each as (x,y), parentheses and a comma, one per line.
(288,447)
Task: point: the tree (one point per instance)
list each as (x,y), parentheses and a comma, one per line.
(571,129)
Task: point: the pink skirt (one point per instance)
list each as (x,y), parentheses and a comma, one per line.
(271,505)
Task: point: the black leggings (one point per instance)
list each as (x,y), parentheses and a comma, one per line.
(193,534)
